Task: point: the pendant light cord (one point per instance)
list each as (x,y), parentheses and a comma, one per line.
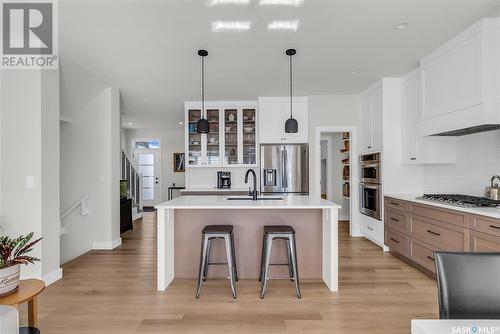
(291,87)
(202,86)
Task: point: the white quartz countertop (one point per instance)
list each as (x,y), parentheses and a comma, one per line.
(221,202)
(483,211)
(214,190)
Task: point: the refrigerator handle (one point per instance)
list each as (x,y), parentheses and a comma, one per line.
(285,184)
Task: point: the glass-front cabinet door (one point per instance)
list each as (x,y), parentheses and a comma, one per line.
(194,138)
(213,138)
(232,140)
(203,149)
(249,141)
(231,136)
(240,136)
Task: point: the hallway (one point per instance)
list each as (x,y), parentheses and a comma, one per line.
(108,292)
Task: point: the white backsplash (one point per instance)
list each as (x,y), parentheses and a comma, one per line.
(477,160)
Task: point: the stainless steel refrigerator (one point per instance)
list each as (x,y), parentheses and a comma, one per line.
(284,168)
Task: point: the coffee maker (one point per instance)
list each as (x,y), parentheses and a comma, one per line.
(224,180)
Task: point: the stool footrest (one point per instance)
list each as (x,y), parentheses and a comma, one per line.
(279,264)
(280,278)
(217,263)
(212,277)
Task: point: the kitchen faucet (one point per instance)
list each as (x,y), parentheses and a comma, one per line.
(250,192)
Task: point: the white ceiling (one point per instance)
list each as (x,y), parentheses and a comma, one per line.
(148,49)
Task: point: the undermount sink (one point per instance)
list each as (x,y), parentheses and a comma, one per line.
(251,199)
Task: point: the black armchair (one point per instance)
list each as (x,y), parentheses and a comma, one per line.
(468,285)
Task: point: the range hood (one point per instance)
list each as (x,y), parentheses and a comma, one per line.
(469,131)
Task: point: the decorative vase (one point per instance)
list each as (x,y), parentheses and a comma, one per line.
(9,279)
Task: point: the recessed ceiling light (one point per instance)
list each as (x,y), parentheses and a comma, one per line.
(401,26)
(230,25)
(180,123)
(129,124)
(227,2)
(284,25)
(353,72)
(294,3)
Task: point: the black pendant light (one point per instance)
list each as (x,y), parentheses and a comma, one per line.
(202,125)
(291,124)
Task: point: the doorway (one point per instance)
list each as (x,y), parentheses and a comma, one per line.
(336,166)
(147,154)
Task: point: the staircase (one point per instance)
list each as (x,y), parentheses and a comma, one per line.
(131,174)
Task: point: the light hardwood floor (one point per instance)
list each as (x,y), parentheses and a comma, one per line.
(115,292)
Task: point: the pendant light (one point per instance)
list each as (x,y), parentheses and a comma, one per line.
(291,124)
(202,125)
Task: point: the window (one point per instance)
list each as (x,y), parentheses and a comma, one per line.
(155,144)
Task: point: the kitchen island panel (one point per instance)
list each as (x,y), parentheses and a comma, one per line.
(248,230)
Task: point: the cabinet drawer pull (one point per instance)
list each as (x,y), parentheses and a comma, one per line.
(432,232)
(493,226)
(430,258)
(395,219)
(413,159)
(396,241)
(394,203)
(370,228)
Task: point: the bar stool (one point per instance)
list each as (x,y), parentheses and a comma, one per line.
(287,233)
(210,233)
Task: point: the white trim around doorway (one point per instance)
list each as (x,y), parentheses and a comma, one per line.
(355,221)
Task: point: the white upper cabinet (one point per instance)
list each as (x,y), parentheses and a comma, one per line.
(417,149)
(273,113)
(461,80)
(371,119)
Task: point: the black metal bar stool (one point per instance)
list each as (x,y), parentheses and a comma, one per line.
(286,233)
(209,233)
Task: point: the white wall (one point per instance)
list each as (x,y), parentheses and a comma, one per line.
(477,160)
(328,110)
(90,160)
(172,141)
(29,148)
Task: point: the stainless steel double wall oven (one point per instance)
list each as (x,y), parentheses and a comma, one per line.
(370,187)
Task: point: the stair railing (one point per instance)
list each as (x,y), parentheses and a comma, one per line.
(82,203)
(130,172)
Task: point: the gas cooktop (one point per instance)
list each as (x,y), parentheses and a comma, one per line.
(461,200)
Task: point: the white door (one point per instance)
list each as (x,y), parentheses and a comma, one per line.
(149,164)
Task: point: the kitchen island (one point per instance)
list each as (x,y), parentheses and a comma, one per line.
(181,220)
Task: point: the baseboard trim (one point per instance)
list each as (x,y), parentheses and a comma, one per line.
(107,245)
(374,241)
(53,277)
(137,216)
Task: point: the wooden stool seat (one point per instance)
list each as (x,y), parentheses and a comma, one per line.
(278,229)
(218,229)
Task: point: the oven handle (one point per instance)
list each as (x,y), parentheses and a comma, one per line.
(368,186)
(371,164)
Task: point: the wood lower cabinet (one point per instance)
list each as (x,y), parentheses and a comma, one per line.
(397,242)
(485,224)
(482,242)
(438,234)
(416,231)
(423,254)
(397,221)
